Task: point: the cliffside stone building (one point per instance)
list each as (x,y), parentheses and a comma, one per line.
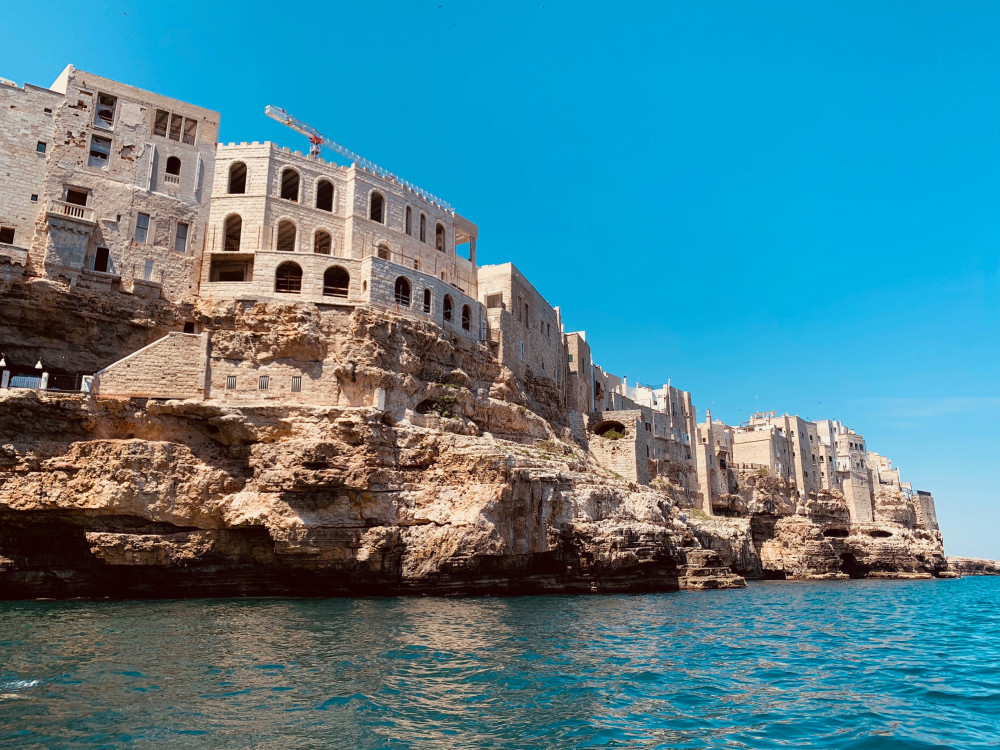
(109,188)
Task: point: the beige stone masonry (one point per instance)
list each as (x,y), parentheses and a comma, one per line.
(171,367)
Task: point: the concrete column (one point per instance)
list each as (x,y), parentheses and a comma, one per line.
(5,379)
(380,399)
(44,385)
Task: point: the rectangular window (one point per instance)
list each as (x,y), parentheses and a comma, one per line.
(104,117)
(7,235)
(494,301)
(190,129)
(175,127)
(147,271)
(142,228)
(34,197)
(40,148)
(160,122)
(296,383)
(100,151)
(570,358)
(522,351)
(181,238)
(263,382)
(230,382)
(77,197)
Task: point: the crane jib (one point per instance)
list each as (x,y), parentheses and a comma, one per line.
(317,139)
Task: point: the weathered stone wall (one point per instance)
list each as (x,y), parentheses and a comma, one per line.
(173,367)
(579,374)
(923,505)
(530,335)
(625,456)
(24,123)
(133,179)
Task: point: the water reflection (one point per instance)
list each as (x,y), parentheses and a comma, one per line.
(828,665)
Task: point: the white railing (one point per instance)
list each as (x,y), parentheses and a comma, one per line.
(171,179)
(62,208)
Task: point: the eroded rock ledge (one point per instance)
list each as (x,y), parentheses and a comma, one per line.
(145,497)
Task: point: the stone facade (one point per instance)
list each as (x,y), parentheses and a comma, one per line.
(125,195)
(27,127)
(111,188)
(526,327)
(172,367)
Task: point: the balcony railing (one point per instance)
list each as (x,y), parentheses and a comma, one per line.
(72,210)
(171,179)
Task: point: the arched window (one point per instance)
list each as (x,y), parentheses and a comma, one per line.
(290,185)
(466,317)
(336,282)
(427,300)
(322,243)
(234,230)
(439,237)
(376,208)
(286,237)
(324,195)
(238,178)
(173,165)
(288,278)
(409,221)
(402,291)
(423,228)
(383,252)
(449,306)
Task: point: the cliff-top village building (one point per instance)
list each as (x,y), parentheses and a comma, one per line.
(116,190)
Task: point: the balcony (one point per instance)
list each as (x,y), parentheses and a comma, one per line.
(73,211)
(171,179)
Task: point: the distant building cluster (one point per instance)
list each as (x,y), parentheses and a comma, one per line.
(113,189)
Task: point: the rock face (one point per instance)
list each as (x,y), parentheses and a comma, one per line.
(463,481)
(108,497)
(972,566)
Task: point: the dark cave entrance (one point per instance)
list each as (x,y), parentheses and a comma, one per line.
(849,564)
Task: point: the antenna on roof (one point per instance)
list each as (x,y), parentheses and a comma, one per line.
(317,140)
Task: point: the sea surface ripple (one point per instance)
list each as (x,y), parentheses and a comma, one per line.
(846,665)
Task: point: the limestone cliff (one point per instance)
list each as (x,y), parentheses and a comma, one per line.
(973,566)
(462,480)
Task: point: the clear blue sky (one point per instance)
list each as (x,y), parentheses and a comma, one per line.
(784,205)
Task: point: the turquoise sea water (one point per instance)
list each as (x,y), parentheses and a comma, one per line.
(824,665)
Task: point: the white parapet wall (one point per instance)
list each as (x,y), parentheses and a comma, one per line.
(171,367)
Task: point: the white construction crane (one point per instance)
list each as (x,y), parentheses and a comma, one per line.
(317,140)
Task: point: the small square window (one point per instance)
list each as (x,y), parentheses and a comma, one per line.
(7,235)
(230,382)
(47,110)
(40,148)
(34,197)
(263,382)
(296,383)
